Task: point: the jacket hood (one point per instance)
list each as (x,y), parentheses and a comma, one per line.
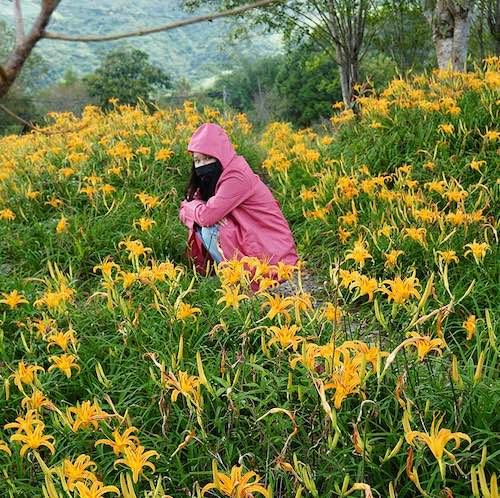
(212,140)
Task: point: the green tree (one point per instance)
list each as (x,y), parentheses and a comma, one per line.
(126,74)
(308,84)
(69,94)
(249,88)
(403,34)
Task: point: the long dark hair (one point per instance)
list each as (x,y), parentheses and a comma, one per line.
(205,184)
(192,186)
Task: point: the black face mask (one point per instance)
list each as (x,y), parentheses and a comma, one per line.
(207,176)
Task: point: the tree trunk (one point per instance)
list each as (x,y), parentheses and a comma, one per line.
(346,82)
(347,27)
(460,42)
(450,22)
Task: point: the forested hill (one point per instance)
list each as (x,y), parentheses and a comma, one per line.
(196,52)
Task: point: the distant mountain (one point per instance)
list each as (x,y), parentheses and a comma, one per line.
(197,52)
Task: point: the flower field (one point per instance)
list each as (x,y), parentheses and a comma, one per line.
(124,372)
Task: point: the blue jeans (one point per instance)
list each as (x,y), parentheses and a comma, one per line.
(209,237)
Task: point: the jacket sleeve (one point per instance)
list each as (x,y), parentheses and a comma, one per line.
(186,215)
(233,191)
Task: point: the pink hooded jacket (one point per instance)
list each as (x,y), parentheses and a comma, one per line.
(255,225)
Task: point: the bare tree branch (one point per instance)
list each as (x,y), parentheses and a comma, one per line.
(21,52)
(164,27)
(3,74)
(30,125)
(15,116)
(18,14)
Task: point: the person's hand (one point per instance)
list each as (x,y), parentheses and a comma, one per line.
(222,222)
(184,215)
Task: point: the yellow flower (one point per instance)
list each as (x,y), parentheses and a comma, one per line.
(285,336)
(470,326)
(266,283)
(307,195)
(477,249)
(359,253)
(401,290)
(237,484)
(278,305)
(121,441)
(26,423)
(77,471)
(185,310)
(424,344)
(107,188)
(285,271)
(135,247)
(425,215)
(231,297)
(128,278)
(34,439)
(65,363)
(438,187)
(148,201)
(115,170)
(62,339)
(187,385)
(96,490)
(136,459)
(365,353)
(13,299)
(476,165)
(4,447)
(93,179)
(446,128)
(366,286)
(25,374)
(55,203)
(145,224)
(33,194)
(392,257)
(349,219)
(345,379)
(448,256)
(36,401)
(308,355)
(7,214)
(437,441)
(385,231)
(405,169)
(457,218)
(456,195)
(85,414)
(66,172)
(106,267)
(344,235)
(163,154)
(56,300)
(491,135)
(417,234)
(143,150)
(89,191)
(62,225)
(332,313)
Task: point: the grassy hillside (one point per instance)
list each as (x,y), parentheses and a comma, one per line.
(196,52)
(122,367)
